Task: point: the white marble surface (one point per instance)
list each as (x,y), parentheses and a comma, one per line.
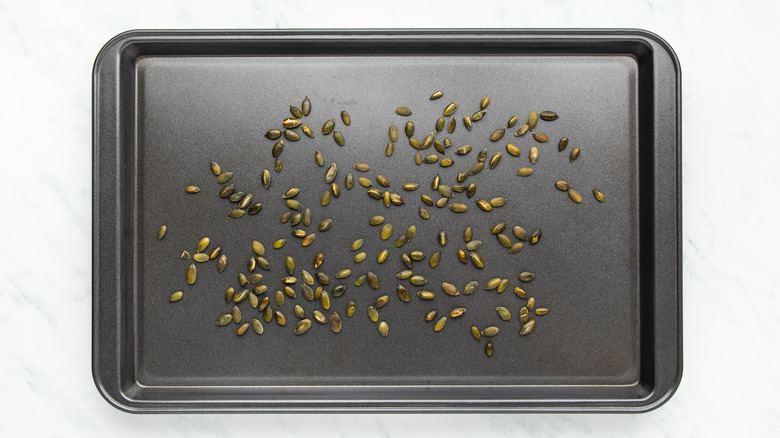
(731,282)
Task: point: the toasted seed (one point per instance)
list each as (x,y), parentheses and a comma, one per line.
(203,244)
(418,158)
(467,122)
(444,190)
(279,243)
(457,312)
(346,118)
(273,134)
(291,135)
(308,131)
(504,240)
(463,150)
(436,95)
(265,177)
(328,126)
(427,200)
(575,196)
(306,106)
(279,298)
(383,330)
(476,259)
(278,165)
(489,332)
(403,111)
(477,116)
(236,313)
(498,201)
(214,253)
(382,256)
(404,275)
(200,257)
(492,284)
(439,125)
(542,311)
(344,273)
(468,233)
(503,285)
(522,131)
(517,247)
(525,171)
(532,120)
(489,349)
(302,327)
(224,319)
(357,244)
(424,213)
(236,196)
(470,287)
(473,245)
(244,202)
(381,301)
(257,326)
(350,310)
(268,314)
(457,207)
(574,154)
(295,111)
(389,149)
(440,324)
(376,220)
(417,255)
(497,134)
(548,115)
(263,263)
(393,133)
(475,332)
(259,289)
(418,280)
(277,149)
(290,193)
(462,256)
(503,313)
(365,182)
(298,311)
(530,303)
(308,240)
(192,189)
(450,289)
(325,300)
(435,259)
(494,160)
(425,295)
(161,231)
(477,168)
(407,260)
(375,193)
(527,327)
(410,233)
(373,315)
(431,315)
(563,143)
(430,159)
(285,217)
(176,296)
(526,277)
(511,122)
(524,315)
(449,109)
(446,162)
(325,199)
(185,255)
(541,137)
(215,168)
(598,195)
(192,274)
(484,205)
(372,279)
(562,185)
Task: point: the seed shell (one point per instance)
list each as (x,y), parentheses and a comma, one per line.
(467,122)
(527,327)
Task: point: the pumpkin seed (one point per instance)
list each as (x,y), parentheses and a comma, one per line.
(467,122)
(463,150)
(473,245)
(484,205)
(404,275)
(236,196)
(176,296)
(302,327)
(257,326)
(346,118)
(562,185)
(574,154)
(328,126)
(335,322)
(322,278)
(470,287)
(484,102)
(425,295)
(383,330)
(259,289)
(435,259)
(503,313)
(192,274)
(403,111)
(417,255)
(308,131)
(376,220)
(532,120)
(265,176)
(440,324)
(382,256)
(494,160)
(457,312)
(457,207)
(598,195)
(533,155)
(225,319)
(403,293)
(273,134)
(526,277)
(325,300)
(575,196)
(236,313)
(389,149)
(431,315)
(268,314)
(540,137)
(527,327)
(161,232)
(451,125)
(525,171)
(450,289)
(522,131)
(548,115)
(222,263)
(291,135)
(277,149)
(373,315)
(489,349)
(184,255)
(285,217)
(325,200)
(530,303)
(306,106)
(295,111)
(192,189)
(449,109)
(563,143)
(290,193)
(350,310)
(462,256)
(279,298)
(477,116)
(504,240)
(436,95)
(517,247)
(430,159)
(424,213)
(497,134)
(375,193)
(215,168)
(476,259)
(344,273)
(280,243)
(511,122)
(489,332)
(477,168)
(393,132)
(263,263)
(418,158)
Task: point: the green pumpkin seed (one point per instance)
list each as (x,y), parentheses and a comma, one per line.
(451,125)
(404,275)
(308,131)
(527,327)
(563,143)
(468,233)
(430,159)
(418,280)
(373,315)
(526,277)
(335,322)
(185,255)
(450,109)
(344,273)
(533,155)
(161,232)
(436,95)
(222,263)
(273,134)
(541,311)
(575,196)
(382,256)
(176,296)
(201,257)
(484,205)
(279,298)
(540,137)
(393,132)
(325,300)
(263,263)
(403,111)
(463,150)
(477,116)
(562,185)
(418,158)
(548,115)
(236,313)
(389,149)
(532,120)
(280,243)
(192,189)
(530,303)
(503,313)
(574,154)
(268,314)
(298,311)
(257,326)
(457,312)
(457,207)
(439,125)
(192,274)
(372,279)
(504,240)
(475,332)
(517,247)
(497,134)
(325,200)
(291,135)
(383,329)
(476,259)
(375,193)
(350,310)
(511,122)
(346,118)
(328,126)
(477,168)
(403,293)
(277,149)
(494,160)
(525,171)
(598,195)
(302,327)
(225,319)
(489,332)
(440,324)
(467,122)
(473,245)
(489,349)
(470,287)
(512,150)
(520,292)
(424,213)
(215,168)
(430,316)
(450,289)
(306,106)
(435,259)
(295,111)
(265,176)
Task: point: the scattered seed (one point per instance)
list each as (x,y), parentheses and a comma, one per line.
(403,111)
(563,143)
(532,120)
(302,327)
(522,131)
(516,247)
(530,303)
(192,274)
(273,134)
(504,240)
(525,171)
(308,240)
(477,116)
(346,118)
(350,310)
(470,287)
(548,115)
(291,135)
(503,313)
(457,312)
(161,232)
(520,292)
(449,109)
(418,158)
(373,315)
(185,255)
(440,324)
(325,300)
(526,277)
(467,122)
(527,327)
(257,326)
(484,102)
(192,189)
(403,275)
(277,149)
(497,134)
(308,131)
(344,273)
(489,332)
(435,259)
(489,349)
(424,213)
(225,319)
(574,154)
(511,122)
(477,168)
(215,168)
(236,313)
(462,256)
(473,245)
(575,196)
(176,296)
(306,106)
(450,289)
(541,137)
(457,207)
(431,315)
(382,256)
(328,126)
(599,196)
(425,295)
(280,243)
(494,160)
(476,259)
(512,150)
(268,314)
(463,150)
(484,205)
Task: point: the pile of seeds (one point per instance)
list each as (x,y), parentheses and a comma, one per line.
(262,306)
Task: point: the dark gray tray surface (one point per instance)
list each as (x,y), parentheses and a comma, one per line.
(594,264)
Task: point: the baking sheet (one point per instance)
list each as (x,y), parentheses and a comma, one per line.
(609,272)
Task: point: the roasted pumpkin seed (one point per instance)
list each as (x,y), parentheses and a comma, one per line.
(350,310)
(161,232)
(522,131)
(273,134)
(548,115)
(511,122)
(424,213)
(467,122)
(470,287)
(291,135)
(563,143)
(450,289)
(308,131)
(257,326)
(425,295)
(265,177)
(477,116)
(462,256)
(431,315)
(503,313)
(527,327)
(215,168)
(489,332)
(476,259)
(192,274)
(236,313)
(306,106)
(540,137)
(489,349)
(403,293)
(382,256)
(575,196)
(225,319)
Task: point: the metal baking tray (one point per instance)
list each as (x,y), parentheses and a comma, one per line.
(166,103)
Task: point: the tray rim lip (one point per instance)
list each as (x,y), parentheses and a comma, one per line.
(121,41)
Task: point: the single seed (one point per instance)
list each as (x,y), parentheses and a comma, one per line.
(222,263)
(489,349)
(291,135)
(440,324)
(435,259)
(477,168)
(527,327)
(361,167)
(525,171)
(325,300)
(427,200)
(318,259)
(497,134)
(520,292)
(176,296)
(457,312)
(328,126)
(350,310)
(161,232)
(381,301)
(484,205)
(470,287)
(517,247)
(494,160)
(548,115)
(346,118)
(457,207)
(277,149)
(242,280)
(476,259)
(475,332)
(192,274)
(259,289)
(236,313)
(325,200)
(563,143)
(185,255)
(344,273)
(410,233)
(562,185)
(473,245)
(484,102)
(407,260)
(280,243)
(418,158)
(214,253)
(373,315)
(383,330)
(225,319)
(273,134)
(430,316)
(436,95)
(393,132)
(444,190)
(365,182)
(291,193)
(192,189)
(450,289)
(265,176)
(357,244)
(574,154)
(542,311)
(524,314)
(417,255)
(468,233)
(383,181)
(451,125)
(424,213)
(308,131)
(375,193)
(449,109)
(279,298)
(285,217)
(322,278)
(467,122)
(492,284)
(295,111)
(439,125)
(532,120)
(263,263)
(599,196)
(511,122)
(306,106)
(526,277)
(430,159)
(533,155)
(403,111)
(504,240)
(403,293)
(235,197)
(203,244)
(477,116)
(403,275)
(575,196)
(302,327)
(382,256)
(268,314)
(489,332)
(335,322)
(298,311)
(257,326)
(201,257)
(530,303)
(462,256)
(215,168)
(463,150)
(409,130)
(389,149)
(425,295)
(446,162)
(308,240)
(244,202)
(541,137)
(376,220)
(503,313)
